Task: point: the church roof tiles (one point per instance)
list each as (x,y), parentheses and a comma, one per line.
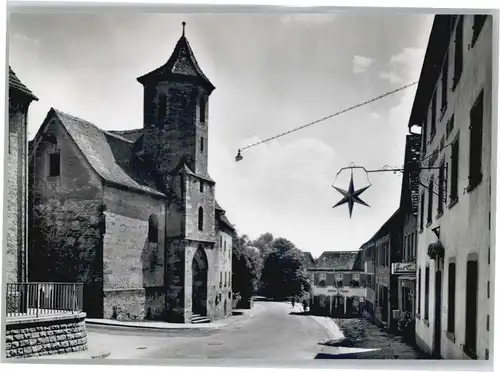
(110,153)
(104,152)
(181,62)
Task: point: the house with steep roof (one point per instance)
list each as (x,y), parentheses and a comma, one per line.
(335,286)
(132,213)
(20,99)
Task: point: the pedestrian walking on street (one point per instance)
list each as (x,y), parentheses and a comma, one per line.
(304,305)
(293,301)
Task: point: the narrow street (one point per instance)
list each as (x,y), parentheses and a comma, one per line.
(274,331)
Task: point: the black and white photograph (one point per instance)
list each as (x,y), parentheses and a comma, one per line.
(266,185)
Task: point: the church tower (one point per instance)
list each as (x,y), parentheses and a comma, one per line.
(175,145)
(176,111)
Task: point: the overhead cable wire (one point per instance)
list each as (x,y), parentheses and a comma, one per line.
(328,117)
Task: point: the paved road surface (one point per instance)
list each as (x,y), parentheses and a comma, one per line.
(273,334)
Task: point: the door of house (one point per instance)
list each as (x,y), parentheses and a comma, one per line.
(437,315)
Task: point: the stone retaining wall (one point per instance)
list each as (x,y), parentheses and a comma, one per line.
(58,334)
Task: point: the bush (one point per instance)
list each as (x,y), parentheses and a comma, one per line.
(406,324)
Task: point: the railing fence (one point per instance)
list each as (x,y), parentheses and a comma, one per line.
(38,299)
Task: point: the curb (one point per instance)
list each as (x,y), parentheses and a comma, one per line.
(101,355)
(92,324)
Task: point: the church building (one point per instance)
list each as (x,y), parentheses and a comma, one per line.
(132,213)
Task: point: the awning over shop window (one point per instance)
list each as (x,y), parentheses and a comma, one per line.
(435,250)
(407,278)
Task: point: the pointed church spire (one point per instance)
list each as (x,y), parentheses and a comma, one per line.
(181,65)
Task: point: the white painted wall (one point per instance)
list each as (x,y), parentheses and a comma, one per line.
(464,228)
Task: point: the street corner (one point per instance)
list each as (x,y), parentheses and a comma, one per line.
(334,334)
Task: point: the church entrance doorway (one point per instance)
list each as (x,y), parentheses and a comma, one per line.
(200,282)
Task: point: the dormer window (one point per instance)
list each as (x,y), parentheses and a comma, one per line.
(54,164)
(203,107)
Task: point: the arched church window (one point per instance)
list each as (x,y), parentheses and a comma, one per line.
(153,229)
(203,107)
(200,218)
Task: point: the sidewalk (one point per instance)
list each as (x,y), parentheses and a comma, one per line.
(147,324)
(105,341)
(364,340)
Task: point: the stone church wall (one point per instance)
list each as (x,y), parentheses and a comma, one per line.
(133,267)
(66,220)
(195,199)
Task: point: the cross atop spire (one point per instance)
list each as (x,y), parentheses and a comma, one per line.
(183,28)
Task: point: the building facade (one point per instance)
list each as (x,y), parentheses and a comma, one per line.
(405,271)
(453,106)
(336,286)
(20,99)
(368,279)
(224,245)
(381,288)
(132,214)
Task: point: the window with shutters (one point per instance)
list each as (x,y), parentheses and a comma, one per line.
(355,280)
(451,297)
(339,278)
(476,143)
(330,280)
(444,85)
(477,27)
(424,134)
(441,186)
(419,292)
(450,125)
(454,172)
(421,211)
(471,308)
(426,304)
(459,52)
(430,195)
(433,116)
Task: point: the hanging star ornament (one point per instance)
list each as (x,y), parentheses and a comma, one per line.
(351,196)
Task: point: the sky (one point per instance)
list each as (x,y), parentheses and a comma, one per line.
(273,73)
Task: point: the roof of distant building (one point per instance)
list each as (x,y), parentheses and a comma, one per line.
(16,84)
(339,260)
(309,260)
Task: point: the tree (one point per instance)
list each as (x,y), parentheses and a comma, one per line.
(263,243)
(246,267)
(283,273)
